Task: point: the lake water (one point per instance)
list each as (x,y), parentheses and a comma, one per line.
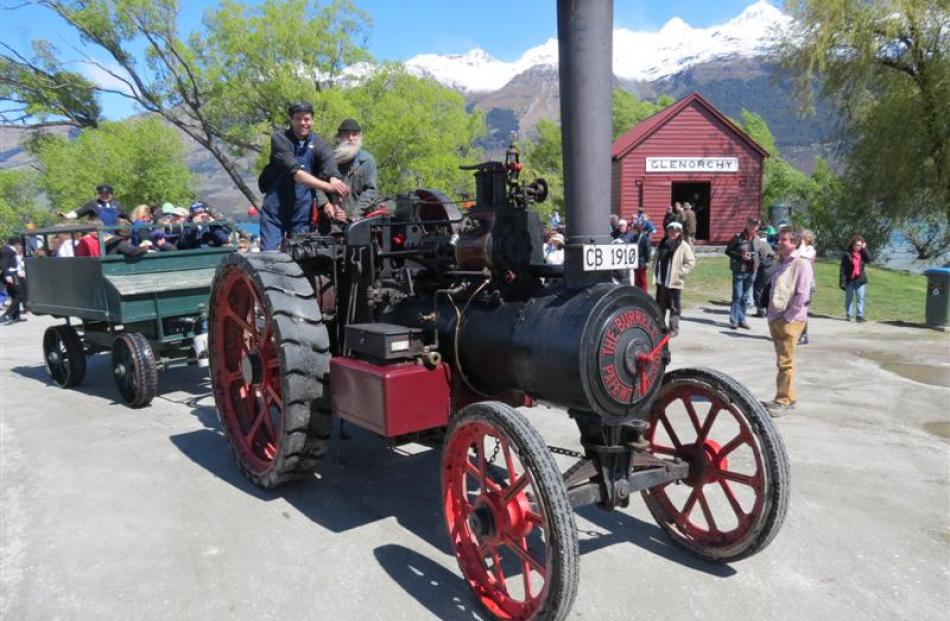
(900,255)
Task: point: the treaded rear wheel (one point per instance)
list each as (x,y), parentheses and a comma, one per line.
(270,364)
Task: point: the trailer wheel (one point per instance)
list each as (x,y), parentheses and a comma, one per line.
(736,496)
(64,355)
(134,369)
(508,515)
(270,364)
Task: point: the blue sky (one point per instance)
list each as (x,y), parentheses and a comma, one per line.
(404,28)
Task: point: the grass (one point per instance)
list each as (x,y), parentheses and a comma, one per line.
(892,295)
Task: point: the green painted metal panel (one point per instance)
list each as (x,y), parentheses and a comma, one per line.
(123,290)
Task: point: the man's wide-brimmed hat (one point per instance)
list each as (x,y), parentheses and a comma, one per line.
(349,125)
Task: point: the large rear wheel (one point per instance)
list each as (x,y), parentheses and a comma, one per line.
(270,366)
(736,496)
(508,515)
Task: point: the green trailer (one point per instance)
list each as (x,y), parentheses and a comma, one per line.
(145,310)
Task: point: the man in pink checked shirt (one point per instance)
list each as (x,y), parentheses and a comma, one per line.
(787,313)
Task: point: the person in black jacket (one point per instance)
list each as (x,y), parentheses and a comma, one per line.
(643,257)
(744,263)
(11,279)
(104,207)
(852,278)
(202,230)
(300,163)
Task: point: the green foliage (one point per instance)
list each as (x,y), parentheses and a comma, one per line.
(18,203)
(892,295)
(781,182)
(142,159)
(543,158)
(835,216)
(628,110)
(886,64)
(255,59)
(418,131)
(37,90)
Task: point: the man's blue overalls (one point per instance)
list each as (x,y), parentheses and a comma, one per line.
(286,207)
(108,213)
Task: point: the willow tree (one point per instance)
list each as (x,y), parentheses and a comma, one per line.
(886,65)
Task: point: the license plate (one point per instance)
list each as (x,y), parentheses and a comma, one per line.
(609,257)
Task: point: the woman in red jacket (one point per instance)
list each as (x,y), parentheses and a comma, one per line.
(852,279)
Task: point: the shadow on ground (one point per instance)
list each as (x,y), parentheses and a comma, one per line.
(99,381)
(443,593)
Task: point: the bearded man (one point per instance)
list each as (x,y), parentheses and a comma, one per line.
(358,168)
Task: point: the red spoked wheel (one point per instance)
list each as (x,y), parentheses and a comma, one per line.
(508,515)
(736,496)
(269,354)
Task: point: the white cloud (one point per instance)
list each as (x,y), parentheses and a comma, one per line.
(99,75)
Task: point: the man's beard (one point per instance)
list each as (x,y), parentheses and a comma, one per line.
(345,151)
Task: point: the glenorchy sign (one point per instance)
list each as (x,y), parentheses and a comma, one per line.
(693,164)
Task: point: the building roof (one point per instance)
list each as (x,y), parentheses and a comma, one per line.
(650,125)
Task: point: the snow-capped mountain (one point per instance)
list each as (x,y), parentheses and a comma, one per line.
(637,55)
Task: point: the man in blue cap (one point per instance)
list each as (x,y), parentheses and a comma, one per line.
(300,164)
(104,207)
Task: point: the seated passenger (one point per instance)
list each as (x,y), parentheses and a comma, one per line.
(160,242)
(172,221)
(120,242)
(203,232)
(141,218)
(63,245)
(88,244)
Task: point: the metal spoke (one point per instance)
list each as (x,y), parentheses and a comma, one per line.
(274,396)
(240,322)
(512,490)
(744,479)
(669,431)
(741,515)
(509,461)
(523,554)
(693,418)
(729,447)
(708,423)
(256,425)
(534,518)
(526,577)
(710,520)
(688,508)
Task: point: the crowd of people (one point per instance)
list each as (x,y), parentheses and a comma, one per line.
(772,273)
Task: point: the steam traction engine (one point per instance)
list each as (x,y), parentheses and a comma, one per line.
(430,320)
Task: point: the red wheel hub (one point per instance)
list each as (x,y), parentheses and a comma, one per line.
(246,374)
(491,516)
(697,413)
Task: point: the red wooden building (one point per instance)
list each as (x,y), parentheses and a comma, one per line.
(689,152)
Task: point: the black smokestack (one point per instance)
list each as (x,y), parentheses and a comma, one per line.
(585,41)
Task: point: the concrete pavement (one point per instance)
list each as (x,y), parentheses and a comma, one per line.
(112,513)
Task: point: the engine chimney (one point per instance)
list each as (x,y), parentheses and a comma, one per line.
(585,42)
